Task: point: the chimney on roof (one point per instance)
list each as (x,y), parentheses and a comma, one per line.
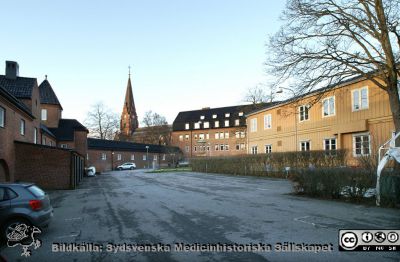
(12,70)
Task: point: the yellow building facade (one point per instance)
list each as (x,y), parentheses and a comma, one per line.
(354,116)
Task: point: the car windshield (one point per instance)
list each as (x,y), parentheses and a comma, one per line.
(36,191)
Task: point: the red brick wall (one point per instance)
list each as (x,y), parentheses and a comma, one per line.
(11,132)
(112,160)
(48,167)
(53,115)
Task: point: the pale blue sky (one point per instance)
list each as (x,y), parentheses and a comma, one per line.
(185,54)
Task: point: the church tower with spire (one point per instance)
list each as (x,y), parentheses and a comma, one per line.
(129,119)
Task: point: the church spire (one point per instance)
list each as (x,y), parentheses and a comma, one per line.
(129,120)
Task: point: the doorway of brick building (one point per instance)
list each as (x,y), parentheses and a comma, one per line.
(4,172)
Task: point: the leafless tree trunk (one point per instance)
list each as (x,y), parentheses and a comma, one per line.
(324,42)
(102,122)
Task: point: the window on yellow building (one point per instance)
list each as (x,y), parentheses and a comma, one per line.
(267,121)
(328,106)
(303,113)
(268,149)
(305,146)
(360,98)
(254,150)
(253,125)
(361,145)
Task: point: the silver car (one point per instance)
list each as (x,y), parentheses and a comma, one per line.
(127,166)
(23,203)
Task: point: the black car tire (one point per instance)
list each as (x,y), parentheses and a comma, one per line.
(131,168)
(12,223)
(120,169)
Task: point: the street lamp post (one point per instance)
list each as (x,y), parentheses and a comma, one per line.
(147,156)
(295,117)
(112,160)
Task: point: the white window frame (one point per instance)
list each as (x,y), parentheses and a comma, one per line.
(119,157)
(180,137)
(44,114)
(306,108)
(226,123)
(186,137)
(267,121)
(35,135)
(103,155)
(2,117)
(216,135)
(216,123)
(155,158)
(132,157)
(330,143)
(226,135)
(240,114)
(354,144)
(301,145)
(237,122)
(207,136)
(254,150)
(201,117)
(22,127)
(329,108)
(206,125)
(253,125)
(187,126)
(227,115)
(360,100)
(214,116)
(268,149)
(226,147)
(197,125)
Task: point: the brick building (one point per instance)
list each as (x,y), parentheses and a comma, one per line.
(106,155)
(212,131)
(30,121)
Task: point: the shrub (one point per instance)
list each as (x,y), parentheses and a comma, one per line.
(268,164)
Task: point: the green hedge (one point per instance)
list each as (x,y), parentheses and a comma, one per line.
(272,165)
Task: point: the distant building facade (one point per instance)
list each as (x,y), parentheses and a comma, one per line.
(212,131)
(107,155)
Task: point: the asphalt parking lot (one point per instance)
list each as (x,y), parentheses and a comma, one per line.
(157,210)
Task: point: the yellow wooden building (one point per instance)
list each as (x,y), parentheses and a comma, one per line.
(354,115)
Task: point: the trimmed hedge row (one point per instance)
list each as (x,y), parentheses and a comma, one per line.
(273,164)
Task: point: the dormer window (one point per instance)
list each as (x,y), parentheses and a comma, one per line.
(227,115)
(202,117)
(197,125)
(240,114)
(187,126)
(214,116)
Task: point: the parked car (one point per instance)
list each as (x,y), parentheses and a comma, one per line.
(127,166)
(23,203)
(182,163)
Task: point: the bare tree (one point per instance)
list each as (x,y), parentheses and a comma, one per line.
(102,122)
(153,119)
(256,95)
(324,42)
(155,131)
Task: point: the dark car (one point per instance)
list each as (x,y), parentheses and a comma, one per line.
(23,203)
